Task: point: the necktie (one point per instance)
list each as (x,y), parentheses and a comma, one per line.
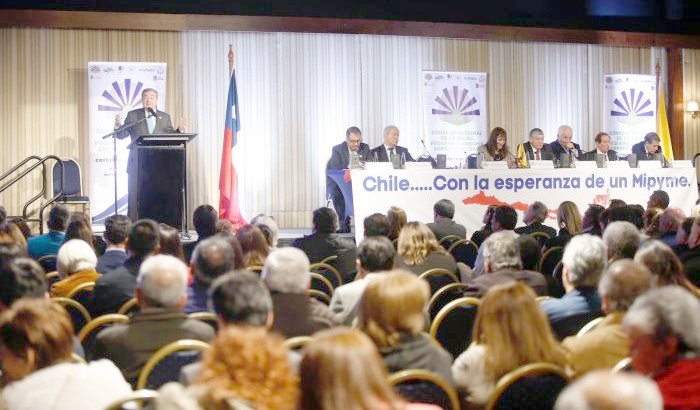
(537,155)
(151,124)
(391,152)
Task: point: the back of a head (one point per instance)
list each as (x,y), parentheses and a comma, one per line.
(651,137)
(117,228)
(162,281)
(569,217)
(506,217)
(170,243)
(204,219)
(392,306)
(240,297)
(255,247)
(212,257)
(591,218)
(530,252)
(501,251)
(444,208)
(622,282)
(79,228)
(75,255)
(325,220)
(539,212)
(58,218)
(416,241)
(144,237)
(585,257)
(622,240)
(670,220)
(377,225)
(664,264)
(659,199)
(376,253)
(21,277)
(604,390)
(286,270)
(342,365)
(266,221)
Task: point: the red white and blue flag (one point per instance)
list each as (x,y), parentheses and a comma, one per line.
(228,180)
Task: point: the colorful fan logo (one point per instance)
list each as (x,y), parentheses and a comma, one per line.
(631,107)
(122,97)
(456,107)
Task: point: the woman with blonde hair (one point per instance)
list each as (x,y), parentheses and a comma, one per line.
(341,370)
(392,313)
(510,331)
(419,250)
(397,220)
(570,223)
(246,368)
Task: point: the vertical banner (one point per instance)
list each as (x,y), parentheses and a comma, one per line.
(114,88)
(455,113)
(629,109)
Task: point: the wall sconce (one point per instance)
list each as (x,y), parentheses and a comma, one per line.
(692,108)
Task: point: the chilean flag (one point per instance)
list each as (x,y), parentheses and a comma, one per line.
(228,180)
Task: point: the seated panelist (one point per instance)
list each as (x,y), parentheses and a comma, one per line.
(496,148)
(602,143)
(535,149)
(646,149)
(390,147)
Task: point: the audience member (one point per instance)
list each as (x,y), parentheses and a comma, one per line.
(36,341)
(161,292)
(530,252)
(286,274)
(419,251)
(651,222)
(374,256)
(390,147)
(479,236)
(658,199)
(591,220)
(116,287)
(323,242)
(664,330)
(569,221)
(269,222)
(443,225)
(502,264)
(606,344)
(255,247)
(170,243)
(225,226)
(503,218)
(510,331)
(496,148)
(690,253)
(204,220)
(665,266)
(392,314)
(117,228)
(20,277)
(376,225)
(533,219)
(669,222)
(213,257)
(602,389)
(75,263)
(79,227)
(49,243)
(534,149)
(342,370)
(10,233)
(397,220)
(583,262)
(683,233)
(622,239)
(564,145)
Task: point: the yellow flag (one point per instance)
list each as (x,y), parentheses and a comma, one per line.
(662,126)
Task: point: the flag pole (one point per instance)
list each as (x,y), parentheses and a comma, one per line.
(658,81)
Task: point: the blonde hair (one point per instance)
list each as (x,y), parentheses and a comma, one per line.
(514,330)
(397,220)
(392,306)
(416,242)
(342,370)
(251,364)
(569,217)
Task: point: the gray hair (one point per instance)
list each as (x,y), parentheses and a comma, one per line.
(502,251)
(162,280)
(267,220)
(390,128)
(286,270)
(622,239)
(602,389)
(539,211)
(584,258)
(665,265)
(667,311)
(75,255)
(622,282)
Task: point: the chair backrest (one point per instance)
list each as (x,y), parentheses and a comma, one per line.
(534,386)
(464,251)
(87,334)
(623,365)
(452,326)
(329,259)
(206,317)
(448,240)
(540,236)
(589,326)
(48,262)
(445,295)
(78,313)
(52,277)
(297,342)
(255,269)
(329,271)
(320,296)
(322,283)
(555,282)
(549,260)
(82,293)
(570,324)
(438,278)
(165,364)
(137,400)
(130,306)
(423,386)
(71,177)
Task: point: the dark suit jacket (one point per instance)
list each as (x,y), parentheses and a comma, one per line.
(446,227)
(115,288)
(558,149)
(545,154)
(110,261)
(340,158)
(163,126)
(293,315)
(591,155)
(381,156)
(536,227)
(319,246)
(640,150)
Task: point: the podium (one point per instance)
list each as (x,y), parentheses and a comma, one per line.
(158,178)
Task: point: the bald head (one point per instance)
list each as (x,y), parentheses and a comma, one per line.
(621,283)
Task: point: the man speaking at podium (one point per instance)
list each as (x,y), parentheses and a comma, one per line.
(143,121)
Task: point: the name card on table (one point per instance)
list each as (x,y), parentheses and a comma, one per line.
(379,166)
(682,164)
(541,164)
(418,165)
(494,165)
(652,164)
(618,165)
(586,165)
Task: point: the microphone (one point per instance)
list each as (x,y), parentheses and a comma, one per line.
(153,113)
(426,149)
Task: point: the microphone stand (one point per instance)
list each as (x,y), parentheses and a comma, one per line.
(115,136)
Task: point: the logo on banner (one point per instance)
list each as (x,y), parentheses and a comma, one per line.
(456,107)
(632,104)
(122,96)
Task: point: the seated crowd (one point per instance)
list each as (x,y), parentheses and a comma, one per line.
(614,288)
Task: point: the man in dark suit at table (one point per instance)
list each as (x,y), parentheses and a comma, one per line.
(646,149)
(145,120)
(390,147)
(340,159)
(564,145)
(602,146)
(534,149)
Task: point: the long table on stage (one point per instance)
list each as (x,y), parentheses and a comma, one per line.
(473,190)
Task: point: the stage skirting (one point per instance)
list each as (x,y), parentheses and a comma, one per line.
(473,190)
